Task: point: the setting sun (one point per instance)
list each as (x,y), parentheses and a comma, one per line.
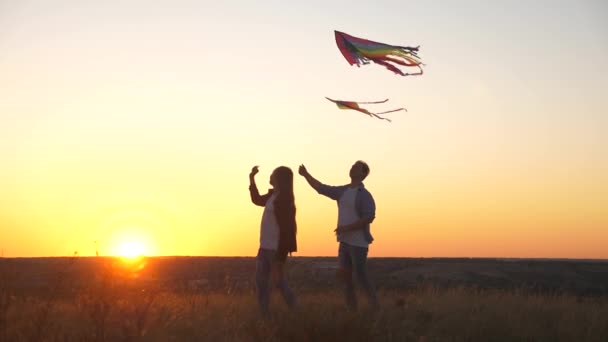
(130,249)
(131,243)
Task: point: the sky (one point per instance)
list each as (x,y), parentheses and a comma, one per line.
(132,125)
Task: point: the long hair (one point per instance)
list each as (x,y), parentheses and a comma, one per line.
(285,207)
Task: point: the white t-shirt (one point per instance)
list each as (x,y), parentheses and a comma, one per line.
(269,229)
(347,214)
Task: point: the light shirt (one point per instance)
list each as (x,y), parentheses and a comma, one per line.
(347,214)
(269,229)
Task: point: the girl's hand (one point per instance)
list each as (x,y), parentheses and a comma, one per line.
(254,171)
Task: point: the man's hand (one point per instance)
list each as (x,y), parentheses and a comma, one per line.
(254,171)
(315,184)
(359,224)
(302,170)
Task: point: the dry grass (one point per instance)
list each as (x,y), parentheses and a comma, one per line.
(110,309)
(429,315)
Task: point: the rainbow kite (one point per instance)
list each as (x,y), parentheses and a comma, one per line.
(361,51)
(355,106)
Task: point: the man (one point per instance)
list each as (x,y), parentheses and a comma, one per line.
(356,210)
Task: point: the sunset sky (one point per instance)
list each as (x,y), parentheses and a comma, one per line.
(136,123)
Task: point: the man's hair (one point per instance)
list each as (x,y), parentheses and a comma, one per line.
(365,168)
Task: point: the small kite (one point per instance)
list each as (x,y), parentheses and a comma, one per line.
(361,51)
(355,106)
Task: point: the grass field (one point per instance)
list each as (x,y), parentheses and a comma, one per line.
(106,309)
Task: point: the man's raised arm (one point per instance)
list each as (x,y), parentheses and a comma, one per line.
(333,192)
(315,184)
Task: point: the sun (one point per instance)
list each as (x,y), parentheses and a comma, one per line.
(131,242)
(131,249)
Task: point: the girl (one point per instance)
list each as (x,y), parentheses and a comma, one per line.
(277,234)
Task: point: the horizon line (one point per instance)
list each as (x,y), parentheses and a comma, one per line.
(311,256)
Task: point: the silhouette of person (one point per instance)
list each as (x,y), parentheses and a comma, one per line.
(356,211)
(277,235)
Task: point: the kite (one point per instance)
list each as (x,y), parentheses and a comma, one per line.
(361,51)
(355,106)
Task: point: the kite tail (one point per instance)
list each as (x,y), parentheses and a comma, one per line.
(389,66)
(395,69)
(372,102)
(417,73)
(411,57)
(408,61)
(381,118)
(391,111)
(409,49)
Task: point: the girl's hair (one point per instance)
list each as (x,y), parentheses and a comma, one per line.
(285,200)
